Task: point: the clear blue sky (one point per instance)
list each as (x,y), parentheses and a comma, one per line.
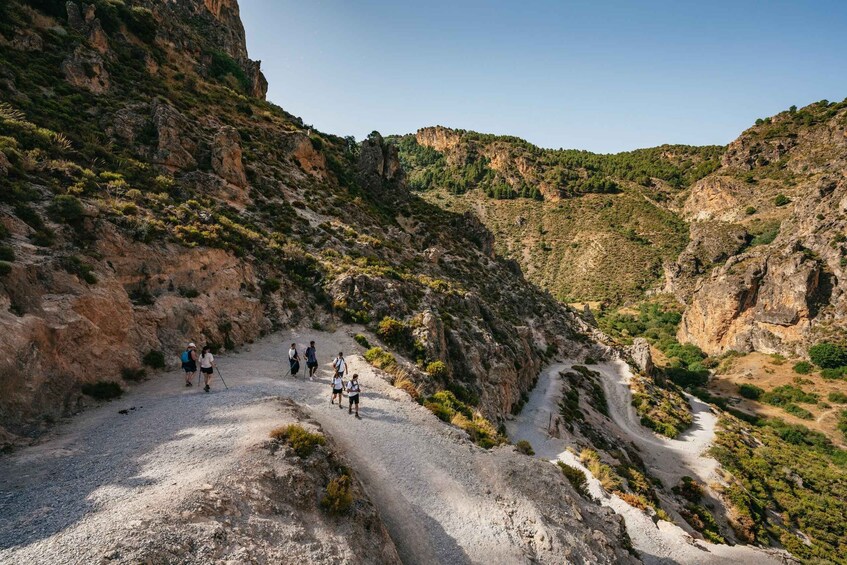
(600,75)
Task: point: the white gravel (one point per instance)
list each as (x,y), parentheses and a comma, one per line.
(657,543)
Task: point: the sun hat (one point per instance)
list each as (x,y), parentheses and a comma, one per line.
(191,344)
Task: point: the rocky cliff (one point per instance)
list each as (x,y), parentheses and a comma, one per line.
(765,266)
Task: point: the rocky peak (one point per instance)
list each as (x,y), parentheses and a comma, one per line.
(439,138)
(379,166)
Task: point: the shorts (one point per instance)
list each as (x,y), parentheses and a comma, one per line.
(354,400)
(189,367)
(207,370)
(337,390)
(311,364)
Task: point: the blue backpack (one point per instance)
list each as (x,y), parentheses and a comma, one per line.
(186,356)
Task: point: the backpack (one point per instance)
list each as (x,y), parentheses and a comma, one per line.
(186,356)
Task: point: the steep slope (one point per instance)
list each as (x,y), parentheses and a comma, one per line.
(151,198)
(581,225)
(766,263)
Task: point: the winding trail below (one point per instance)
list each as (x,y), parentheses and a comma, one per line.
(660,542)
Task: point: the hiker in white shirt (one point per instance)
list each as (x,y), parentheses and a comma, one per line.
(353,390)
(337,389)
(340,365)
(207,362)
(293,360)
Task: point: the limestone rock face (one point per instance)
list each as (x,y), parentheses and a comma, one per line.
(310,159)
(226,156)
(175,147)
(439,138)
(86,69)
(69,335)
(640,352)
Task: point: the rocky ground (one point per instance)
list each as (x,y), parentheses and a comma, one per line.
(189,476)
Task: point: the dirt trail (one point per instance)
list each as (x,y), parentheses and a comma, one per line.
(657,543)
(80,491)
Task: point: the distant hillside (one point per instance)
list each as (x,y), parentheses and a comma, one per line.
(582,225)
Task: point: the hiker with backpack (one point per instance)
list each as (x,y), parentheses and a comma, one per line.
(340,365)
(353,390)
(189,363)
(311,360)
(293,360)
(207,364)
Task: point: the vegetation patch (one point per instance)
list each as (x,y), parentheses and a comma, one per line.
(102,390)
(750,391)
(523,446)
(154,359)
(301,441)
(338,498)
(448,408)
(362,340)
(135,374)
(828,355)
(576,477)
(662,409)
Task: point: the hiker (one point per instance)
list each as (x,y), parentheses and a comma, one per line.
(207,364)
(353,390)
(340,365)
(337,389)
(189,363)
(311,360)
(293,360)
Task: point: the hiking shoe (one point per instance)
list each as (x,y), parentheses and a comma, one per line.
(206,388)
(358,417)
(340,406)
(349,411)
(187,383)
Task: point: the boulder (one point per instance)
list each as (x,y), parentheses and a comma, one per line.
(175,146)
(85,68)
(641,356)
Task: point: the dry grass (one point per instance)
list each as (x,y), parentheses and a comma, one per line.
(759,369)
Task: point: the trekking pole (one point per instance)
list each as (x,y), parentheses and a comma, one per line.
(222,377)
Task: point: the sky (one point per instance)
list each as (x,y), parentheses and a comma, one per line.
(605,76)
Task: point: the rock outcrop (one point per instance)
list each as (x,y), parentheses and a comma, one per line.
(379,167)
(226,156)
(782,289)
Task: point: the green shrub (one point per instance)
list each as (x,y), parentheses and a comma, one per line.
(795,410)
(803,368)
(788,394)
(750,391)
(7,253)
(76,266)
(837,397)
(226,69)
(576,478)
(828,355)
(523,446)
(689,489)
(137,374)
(338,499)
(68,209)
(154,359)
(301,441)
(380,358)
(5,268)
(437,369)
(687,378)
(361,340)
(102,390)
(750,210)
(270,285)
(781,200)
(832,374)
(394,332)
(842,423)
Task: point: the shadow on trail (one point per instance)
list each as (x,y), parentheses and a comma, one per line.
(106,449)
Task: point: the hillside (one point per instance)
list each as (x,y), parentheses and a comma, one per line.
(583,226)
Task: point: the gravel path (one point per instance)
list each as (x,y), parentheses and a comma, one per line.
(70,498)
(657,543)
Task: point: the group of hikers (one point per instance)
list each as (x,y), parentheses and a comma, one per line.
(190,359)
(206,360)
(339,386)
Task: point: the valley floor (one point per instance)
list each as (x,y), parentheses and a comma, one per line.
(660,542)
